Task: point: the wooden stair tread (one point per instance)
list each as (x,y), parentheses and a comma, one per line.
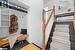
(30,47)
(60,46)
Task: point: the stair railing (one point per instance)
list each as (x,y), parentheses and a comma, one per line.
(74,16)
(45,24)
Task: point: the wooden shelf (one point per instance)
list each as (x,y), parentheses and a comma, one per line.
(19,38)
(4,27)
(3,42)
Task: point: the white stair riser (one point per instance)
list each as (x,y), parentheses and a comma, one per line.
(65,42)
(61,34)
(67,20)
(62,26)
(62,29)
(60,46)
(59,37)
(52,48)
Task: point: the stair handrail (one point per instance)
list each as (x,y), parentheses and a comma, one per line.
(74,16)
(45,24)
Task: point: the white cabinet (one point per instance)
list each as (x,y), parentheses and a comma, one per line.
(11,8)
(4,22)
(0,17)
(4,17)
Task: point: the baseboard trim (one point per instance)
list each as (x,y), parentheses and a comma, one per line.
(36,45)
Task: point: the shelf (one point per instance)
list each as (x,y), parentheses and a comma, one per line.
(5,23)
(4,30)
(5,13)
(4,27)
(5,20)
(14,7)
(2,7)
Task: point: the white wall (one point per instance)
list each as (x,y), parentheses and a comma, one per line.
(34,20)
(63,3)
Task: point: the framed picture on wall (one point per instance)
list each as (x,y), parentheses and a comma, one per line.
(62,6)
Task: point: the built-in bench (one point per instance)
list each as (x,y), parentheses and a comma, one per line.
(4,43)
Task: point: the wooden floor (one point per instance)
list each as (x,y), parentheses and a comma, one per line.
(30,47)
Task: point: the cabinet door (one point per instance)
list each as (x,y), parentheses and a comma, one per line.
(4,22)
(0,17)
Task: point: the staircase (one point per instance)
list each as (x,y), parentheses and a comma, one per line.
(62,36)
(60,39)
